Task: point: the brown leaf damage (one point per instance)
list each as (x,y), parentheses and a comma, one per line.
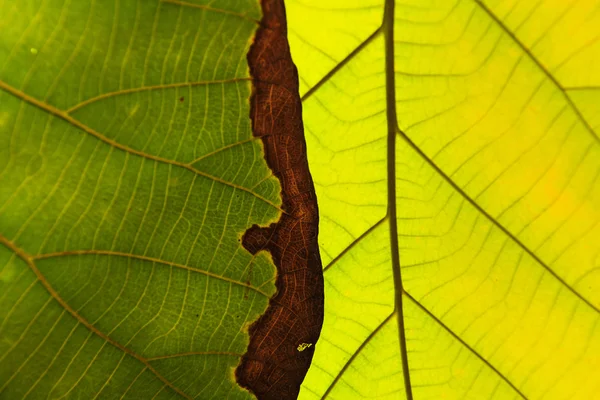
(282,340)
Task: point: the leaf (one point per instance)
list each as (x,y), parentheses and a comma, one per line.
(454,148)
(128,175)
(277,358)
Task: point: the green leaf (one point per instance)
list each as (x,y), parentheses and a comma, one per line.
(128,173)
(454,148)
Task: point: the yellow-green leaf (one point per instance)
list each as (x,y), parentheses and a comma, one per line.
(128,173)
(454,147)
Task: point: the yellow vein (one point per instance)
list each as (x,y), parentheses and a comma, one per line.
(150,88)
(66,117)
(110,377)
(354,243)
(144,258)
(342,63)
(581,88)
(42,279)
(133,382)
(209,8)
(356,354)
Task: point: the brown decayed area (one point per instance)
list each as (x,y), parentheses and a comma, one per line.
(273,366)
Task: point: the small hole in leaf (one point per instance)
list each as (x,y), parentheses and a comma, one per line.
(303,346)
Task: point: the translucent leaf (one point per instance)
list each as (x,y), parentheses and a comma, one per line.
(454,147)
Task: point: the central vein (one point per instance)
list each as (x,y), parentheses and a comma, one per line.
(388,29)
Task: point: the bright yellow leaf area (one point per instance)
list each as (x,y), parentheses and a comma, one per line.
(496,187)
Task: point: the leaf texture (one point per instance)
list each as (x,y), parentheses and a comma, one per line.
(455,151)
(128,174)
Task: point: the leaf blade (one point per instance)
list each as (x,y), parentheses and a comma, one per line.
(456,259)
(107,110)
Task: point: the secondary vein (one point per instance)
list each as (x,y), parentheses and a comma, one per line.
(58,113)
(54,294)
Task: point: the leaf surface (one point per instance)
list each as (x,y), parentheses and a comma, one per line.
(128,174)
(455,152)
